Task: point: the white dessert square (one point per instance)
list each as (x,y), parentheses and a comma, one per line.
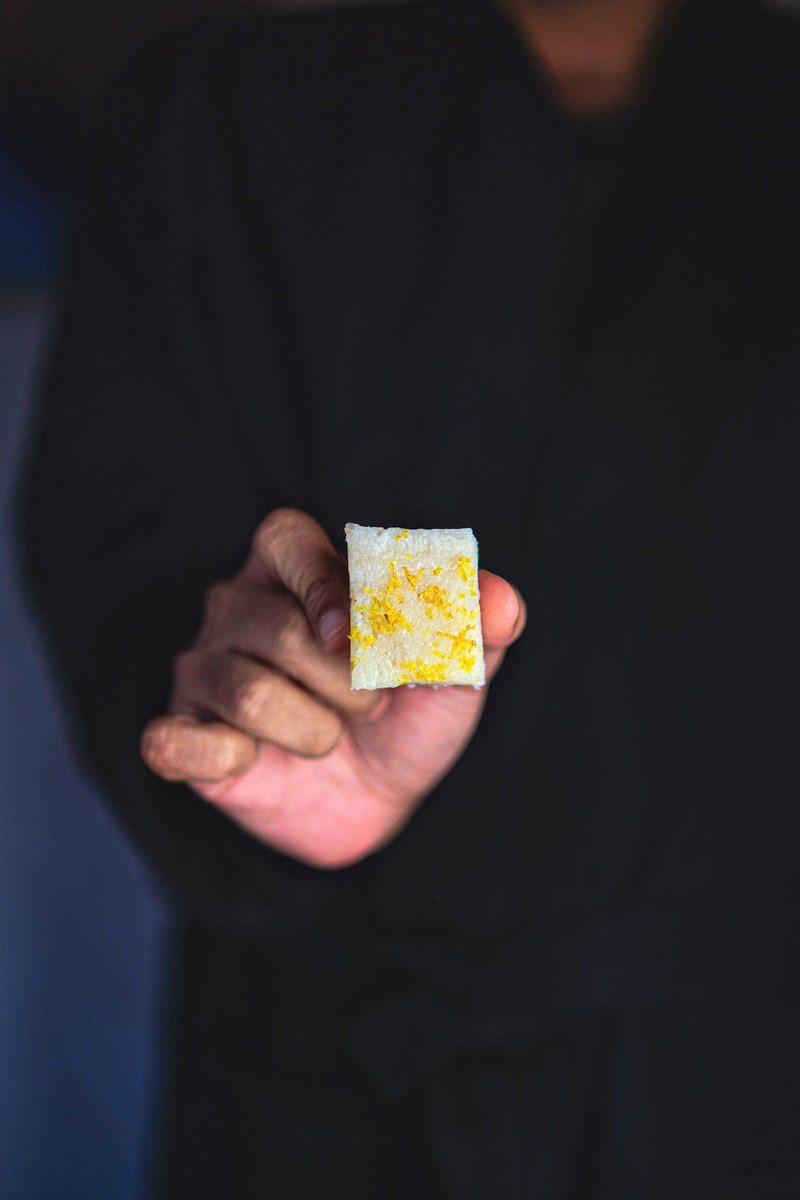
(414,607)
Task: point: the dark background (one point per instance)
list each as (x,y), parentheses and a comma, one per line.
(84,933)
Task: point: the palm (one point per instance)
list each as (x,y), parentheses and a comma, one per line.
(335,809)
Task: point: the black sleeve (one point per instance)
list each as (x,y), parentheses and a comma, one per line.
(137,500)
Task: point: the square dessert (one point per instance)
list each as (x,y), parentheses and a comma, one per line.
(414,607)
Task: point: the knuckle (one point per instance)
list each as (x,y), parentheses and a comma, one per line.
(292,636)
(250,702)
(276,529)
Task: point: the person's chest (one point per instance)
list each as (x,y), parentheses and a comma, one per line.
(593,361)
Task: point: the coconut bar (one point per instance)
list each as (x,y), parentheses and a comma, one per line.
(414,607)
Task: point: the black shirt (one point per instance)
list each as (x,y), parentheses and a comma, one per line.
(356,262)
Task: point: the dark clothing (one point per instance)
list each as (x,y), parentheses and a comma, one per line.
(356,263)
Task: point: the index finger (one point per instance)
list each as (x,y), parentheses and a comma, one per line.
(291,549)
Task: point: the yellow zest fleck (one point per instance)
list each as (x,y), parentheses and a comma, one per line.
(462,645)
(420,672)
(465,569)
(437,570)
(355,635)
(394,584)
(383,617)
(354,662)
(412,579)
(462,595)
(368,640)
(434,595)
(402,534)
(368,591)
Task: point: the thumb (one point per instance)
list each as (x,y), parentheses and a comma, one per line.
(503,618)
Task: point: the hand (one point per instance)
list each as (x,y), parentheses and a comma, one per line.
(262,722)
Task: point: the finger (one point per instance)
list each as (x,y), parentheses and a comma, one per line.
(180,747)
(255,699)
(503,618)
(291,549)
(268,623)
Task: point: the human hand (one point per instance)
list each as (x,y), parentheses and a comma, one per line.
(263,724)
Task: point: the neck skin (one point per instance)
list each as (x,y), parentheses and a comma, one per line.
(594,55)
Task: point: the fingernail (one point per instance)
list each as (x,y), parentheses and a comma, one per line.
(332,626)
